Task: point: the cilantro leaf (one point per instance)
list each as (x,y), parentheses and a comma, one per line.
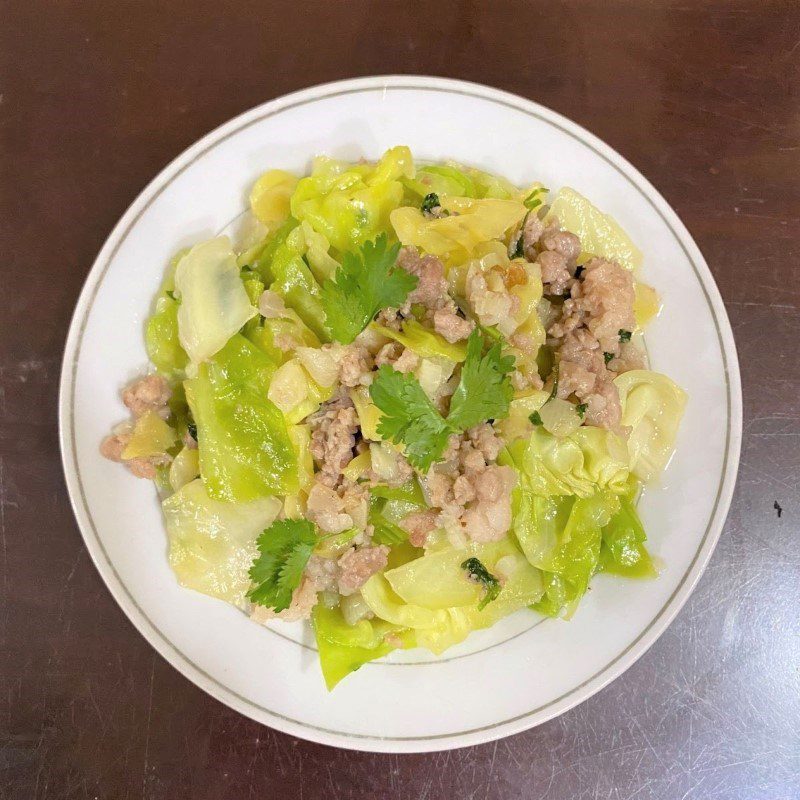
(478,573)
(624,336)
(365,283)
(581,409)
(409,417)
(284,550)
(484,391)
(535,418)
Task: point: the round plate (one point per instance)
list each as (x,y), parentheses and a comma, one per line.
(524,670)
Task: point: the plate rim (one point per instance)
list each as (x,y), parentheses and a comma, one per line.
(367,742)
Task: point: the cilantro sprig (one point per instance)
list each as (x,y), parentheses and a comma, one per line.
(365,283)
(410,418)
(284,549)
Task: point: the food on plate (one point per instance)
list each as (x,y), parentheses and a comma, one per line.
(416,400)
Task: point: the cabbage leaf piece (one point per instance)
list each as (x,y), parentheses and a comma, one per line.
(212,543)
(350,203)
(423,341)
(434,596)
(600,234)
(161,330)
(623,550)
(245,447)
(457,236)
(579,464)
(652,405)
(562,536)
(270,196)
(345,648)
(454,179)
(213,301)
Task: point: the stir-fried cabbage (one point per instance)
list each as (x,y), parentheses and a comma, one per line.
(423,341)
(239,336)
(623,550)
(161,331)
(646,305)
(245,449)
(295,392)
(579,464)
(345,648)
(369,414)
(270,195)
(652,405)
(457,236)
(213,300)
(212,543)
(350,203)
(435,597)
(600,233)
(151,436)
(295,283)
(452,179)
(517,424)
(185,467)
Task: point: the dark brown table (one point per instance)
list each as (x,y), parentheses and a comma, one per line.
(96,97)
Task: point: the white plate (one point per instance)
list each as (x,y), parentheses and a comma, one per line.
(521,672)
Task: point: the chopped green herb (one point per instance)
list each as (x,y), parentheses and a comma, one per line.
(484,392)
(534,199)
(519,247)
(430,202)
(536,418)
(581,409)
(478,573)
(409,417)
(608,357)
(554,390)
(624,336)
(284,550)
(365,283)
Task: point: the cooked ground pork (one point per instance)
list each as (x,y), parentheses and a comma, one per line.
(337,509)
(557,278)
(151,393)
(449,324)
(355,364)
(531,231)
(333,436)
(418,525)
(600,306)
(403,359)
(357,565)
(473,495)
(431,290)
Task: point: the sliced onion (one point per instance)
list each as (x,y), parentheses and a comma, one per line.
(354,608)
(289,386)
(559,417)
(321,365)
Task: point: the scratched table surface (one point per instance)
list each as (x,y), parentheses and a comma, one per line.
(95,98)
